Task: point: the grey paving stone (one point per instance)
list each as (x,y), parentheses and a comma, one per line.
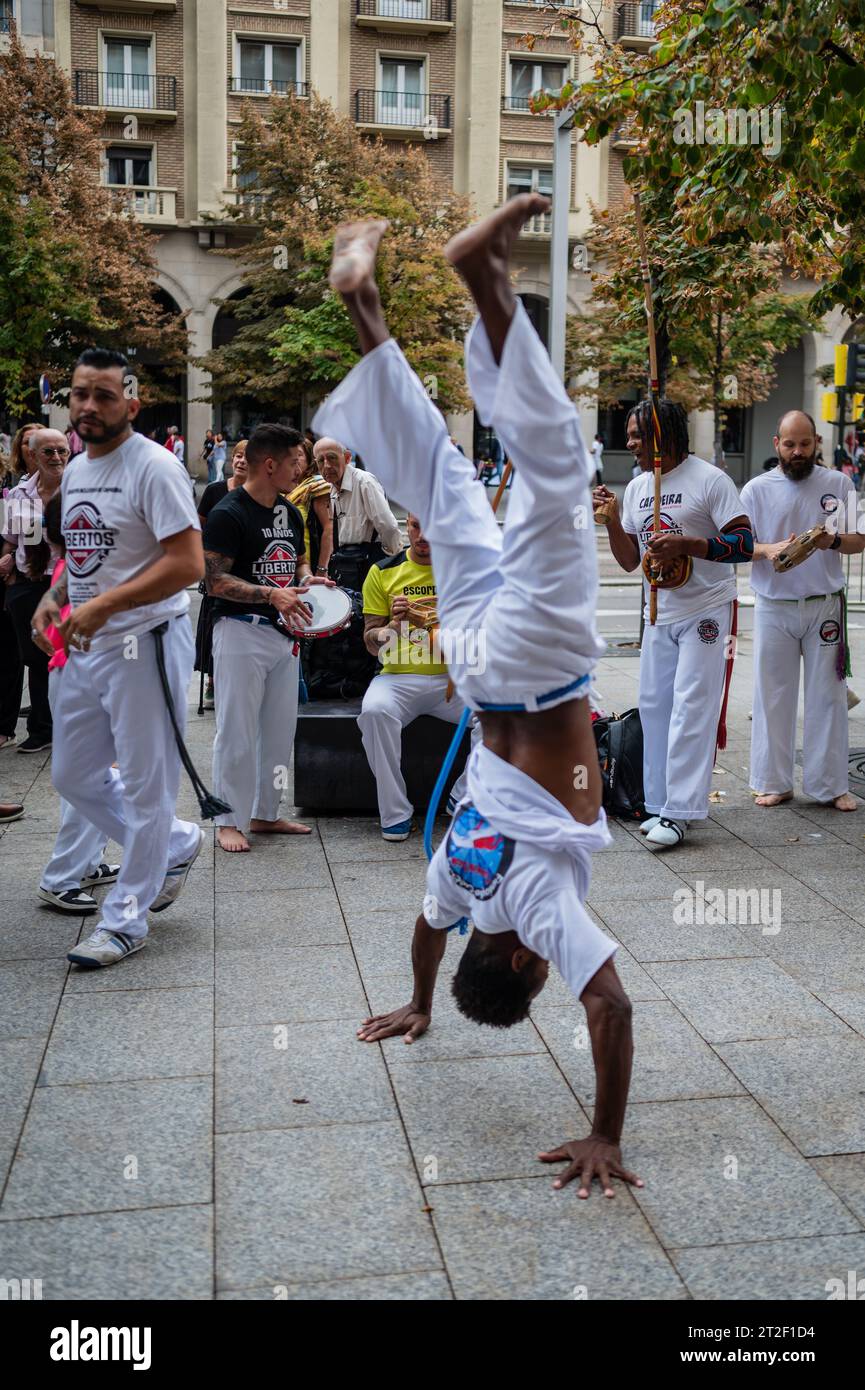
(20,1060)
(358,1180)
(385,947)
(726,853)
(264,1073)
(520,1240)
(287,917)
(428,1286)
(298,861)
(79,1141)
(626,837)
(526,1108)
(350,840)
(849,1005)
(806,857)
(178,955)
(844,888)
(687,1152)
(614,874)
(126,1256)
(376,892)
(845,1174)
(727,1000)
(671,1060)
(812,1089)
(287,985)
(660,938)
(120,1035)
(450,1033)
(31,932)
(759,827)
(29,994)
(784,895)
(782,1270)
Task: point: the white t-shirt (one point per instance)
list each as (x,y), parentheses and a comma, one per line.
(779,507)
(530,874)
(697,500)
(116,510)
(178,447)
(598,455)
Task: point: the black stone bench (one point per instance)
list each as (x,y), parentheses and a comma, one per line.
(331,772)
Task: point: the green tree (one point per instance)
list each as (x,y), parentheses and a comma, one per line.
(301,171)
(721,316)
(800,60)
(74,268)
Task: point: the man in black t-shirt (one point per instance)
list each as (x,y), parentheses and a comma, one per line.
(255,560)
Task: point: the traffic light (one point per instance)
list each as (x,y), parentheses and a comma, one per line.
(829,408)
(855,367)
(840,364)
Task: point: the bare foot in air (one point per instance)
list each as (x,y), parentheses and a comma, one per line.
(845,802)
(494,236)
(229,838)
(279,827)
(355,247)
(773,798)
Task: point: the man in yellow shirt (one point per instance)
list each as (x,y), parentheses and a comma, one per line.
(399,609)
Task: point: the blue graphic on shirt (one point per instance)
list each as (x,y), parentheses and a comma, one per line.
(478,856)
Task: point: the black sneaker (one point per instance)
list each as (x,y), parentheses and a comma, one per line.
(72,900)
(32,744)
(105,873)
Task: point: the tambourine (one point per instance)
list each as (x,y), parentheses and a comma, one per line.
(671,575)
(798,550)
(331,612)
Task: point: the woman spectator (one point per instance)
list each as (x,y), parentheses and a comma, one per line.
(21,462)
(25,566)
(16,467)
(313,501)
(212,494)
(216,459)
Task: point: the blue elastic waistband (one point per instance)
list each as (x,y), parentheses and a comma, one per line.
(542,699)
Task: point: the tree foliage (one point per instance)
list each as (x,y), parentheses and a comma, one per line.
(302,171)
(721,318)
(802,58)
(74,269)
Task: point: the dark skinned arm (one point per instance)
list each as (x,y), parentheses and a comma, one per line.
(427,948)
(608,1014)
(668,547)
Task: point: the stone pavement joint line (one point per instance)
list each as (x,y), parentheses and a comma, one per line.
(200,1122)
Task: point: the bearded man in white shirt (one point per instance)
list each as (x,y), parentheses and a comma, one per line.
(801,614)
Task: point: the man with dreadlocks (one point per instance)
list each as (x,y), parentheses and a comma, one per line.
(682,665)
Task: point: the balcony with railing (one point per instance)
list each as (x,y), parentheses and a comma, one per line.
(267,87)
(125,91)
(405,16)
(132,6)
(523,105)
(635,23)
(403,115)
(152,205)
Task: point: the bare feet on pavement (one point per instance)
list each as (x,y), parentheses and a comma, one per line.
(279,827)
(773,798)
(845,802)
(229,838)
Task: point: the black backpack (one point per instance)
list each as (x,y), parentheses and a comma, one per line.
(620,752)
(339,667)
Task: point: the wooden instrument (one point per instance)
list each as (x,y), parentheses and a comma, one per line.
(798,550)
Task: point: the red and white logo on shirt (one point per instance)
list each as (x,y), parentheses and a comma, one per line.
(276,566)
(88,540)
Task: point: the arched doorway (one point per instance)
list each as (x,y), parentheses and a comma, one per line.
(167,385)
(238,416)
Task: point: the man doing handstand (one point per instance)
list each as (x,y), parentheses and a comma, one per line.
(517,854)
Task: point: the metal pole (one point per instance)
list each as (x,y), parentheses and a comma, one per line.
(559,240)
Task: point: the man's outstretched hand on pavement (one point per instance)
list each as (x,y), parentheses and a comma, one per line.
(590,1158)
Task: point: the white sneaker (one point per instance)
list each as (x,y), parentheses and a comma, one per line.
(667,833)
(176,878)
(649,824)
(105,947)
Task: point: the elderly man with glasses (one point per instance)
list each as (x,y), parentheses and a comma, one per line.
(25,567)
(365,529)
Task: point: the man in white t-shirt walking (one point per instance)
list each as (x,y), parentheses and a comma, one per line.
(684,656)
(133,545)
(801,614)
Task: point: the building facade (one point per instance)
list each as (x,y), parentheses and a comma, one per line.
(170,77)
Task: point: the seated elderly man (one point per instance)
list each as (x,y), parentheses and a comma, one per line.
(364,527)
(399,611)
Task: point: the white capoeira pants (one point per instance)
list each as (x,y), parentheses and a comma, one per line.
(522,600)
(682,668)
(256,678)
(393,701)
(785,632)
(111,708)
(80,845)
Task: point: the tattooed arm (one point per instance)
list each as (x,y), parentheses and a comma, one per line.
(48,612)
(221,583)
